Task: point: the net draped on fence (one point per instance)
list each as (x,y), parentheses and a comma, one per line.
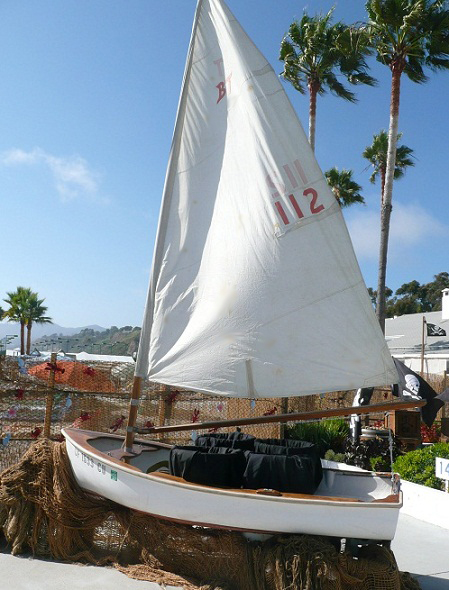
(95,396)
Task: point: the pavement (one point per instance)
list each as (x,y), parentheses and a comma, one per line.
(420,548)
(423,550)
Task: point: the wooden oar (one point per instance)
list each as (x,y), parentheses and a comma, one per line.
(300,416)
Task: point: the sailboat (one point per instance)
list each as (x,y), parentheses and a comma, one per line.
(255,293)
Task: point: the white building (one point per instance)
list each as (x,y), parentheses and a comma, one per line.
(405,336)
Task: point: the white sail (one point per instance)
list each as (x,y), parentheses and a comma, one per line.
(255,288)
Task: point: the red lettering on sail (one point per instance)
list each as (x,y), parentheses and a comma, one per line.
(224,88)
(313,208)
(279,187)
(300,171)
(219,64)
(296,207)
(291,178)
(221,91)
(281,212)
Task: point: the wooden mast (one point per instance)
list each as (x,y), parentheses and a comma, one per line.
(132,414)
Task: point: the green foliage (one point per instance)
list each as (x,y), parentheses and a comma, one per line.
(26,308)
(331,455)
(344,187)
(376,154)
(315,50)
(419,466)
(413,297)
(326,434)
(410,35)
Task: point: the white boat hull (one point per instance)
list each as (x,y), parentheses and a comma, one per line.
(371,514)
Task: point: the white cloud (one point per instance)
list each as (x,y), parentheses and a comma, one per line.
(71,175)
(411,227)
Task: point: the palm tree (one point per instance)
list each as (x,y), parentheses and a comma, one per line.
(345,189)
(314,50)
(376,154)
(407,35)
(25,307)
(35,314)
(18,304)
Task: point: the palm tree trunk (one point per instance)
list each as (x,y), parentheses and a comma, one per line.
(312,114)
(387,207)
(29,324)
(22,337)
(382,186)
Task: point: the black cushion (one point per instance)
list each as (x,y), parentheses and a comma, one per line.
(215,466)
(290,447)
(295,473)
(234,440)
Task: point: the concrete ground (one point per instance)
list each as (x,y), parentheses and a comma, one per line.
(423,550)
(420,548)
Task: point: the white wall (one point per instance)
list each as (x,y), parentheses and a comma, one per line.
(425,504)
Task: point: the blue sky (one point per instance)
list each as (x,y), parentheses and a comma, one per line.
(89,90)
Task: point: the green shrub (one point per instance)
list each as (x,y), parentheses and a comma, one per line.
(419,466)
(326,434)
(331,455)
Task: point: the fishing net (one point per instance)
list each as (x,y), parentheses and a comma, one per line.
(43,510)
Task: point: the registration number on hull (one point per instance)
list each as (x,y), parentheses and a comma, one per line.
(96,465)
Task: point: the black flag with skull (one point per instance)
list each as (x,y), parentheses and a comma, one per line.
(411,386)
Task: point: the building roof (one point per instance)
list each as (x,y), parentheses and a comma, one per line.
(404,333)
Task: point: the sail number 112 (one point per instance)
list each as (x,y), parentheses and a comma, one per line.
(279,192)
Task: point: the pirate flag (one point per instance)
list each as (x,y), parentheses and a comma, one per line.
(434,330)
(413,387)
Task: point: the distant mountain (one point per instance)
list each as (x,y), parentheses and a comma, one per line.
(40,330)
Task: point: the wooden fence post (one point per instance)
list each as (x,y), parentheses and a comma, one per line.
(50,396)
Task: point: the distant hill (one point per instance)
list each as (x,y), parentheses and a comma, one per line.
(115,341)
(41,330)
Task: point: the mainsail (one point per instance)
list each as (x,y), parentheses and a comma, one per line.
(255,288)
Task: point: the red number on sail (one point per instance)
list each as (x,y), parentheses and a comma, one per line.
(282,213)
(313,207)
(296,207)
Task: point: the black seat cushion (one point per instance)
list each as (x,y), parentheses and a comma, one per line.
(290,447)
(214,466)
(234,440)
(294,473)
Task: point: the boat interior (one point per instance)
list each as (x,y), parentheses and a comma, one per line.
(238,461)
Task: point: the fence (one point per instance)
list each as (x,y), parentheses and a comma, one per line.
(39,398)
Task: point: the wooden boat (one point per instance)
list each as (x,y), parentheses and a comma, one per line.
(255,293)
